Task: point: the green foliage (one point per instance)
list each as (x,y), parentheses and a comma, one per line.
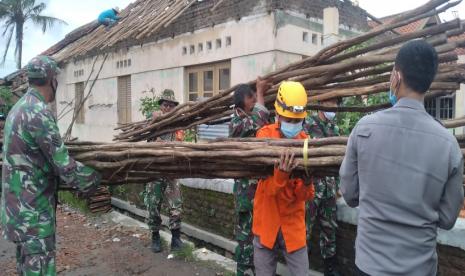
(73,201)
(186,253)
(149,104)
(359,46)
(6,98)
(347,120)
(190,135)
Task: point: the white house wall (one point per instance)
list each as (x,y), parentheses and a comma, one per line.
(246,68)
(460,101)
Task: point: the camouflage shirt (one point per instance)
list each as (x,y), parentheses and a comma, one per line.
(247,125)
(34,161)
(317,128)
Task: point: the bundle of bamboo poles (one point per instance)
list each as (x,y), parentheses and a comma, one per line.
(132,163)
(358,66)
(122,163)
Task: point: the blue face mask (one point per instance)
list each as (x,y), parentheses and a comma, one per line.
(291,130)
(392,97)
(330,115)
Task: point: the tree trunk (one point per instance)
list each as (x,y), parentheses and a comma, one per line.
(19,44)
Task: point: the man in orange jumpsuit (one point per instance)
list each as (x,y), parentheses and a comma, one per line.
(279,204)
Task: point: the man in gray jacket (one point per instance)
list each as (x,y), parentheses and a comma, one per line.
(404,171)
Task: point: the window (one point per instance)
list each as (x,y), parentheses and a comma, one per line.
(208,83)
(124,100)
(442,108)
(322,40)
(225,79)
(305,37)
(314,39)
(430,106)
(184,51)
(228,41)
(193,86)
(200,47)
(209,45)
(192,50)
(78,97)
(446,108)
(218,43)
(207,80)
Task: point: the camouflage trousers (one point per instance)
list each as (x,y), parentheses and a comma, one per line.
(36,257)
(244,192)
(322,210)
(163,191)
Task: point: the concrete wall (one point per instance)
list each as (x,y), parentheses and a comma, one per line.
(460,101)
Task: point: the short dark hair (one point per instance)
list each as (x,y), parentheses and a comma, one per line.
(242,91)
(418,63)
(37,82)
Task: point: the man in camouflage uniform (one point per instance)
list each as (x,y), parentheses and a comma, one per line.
(322,209)
(165,188)
(250,115)
(35,161)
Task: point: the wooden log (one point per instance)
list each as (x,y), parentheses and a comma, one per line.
(459,122)
(436,29)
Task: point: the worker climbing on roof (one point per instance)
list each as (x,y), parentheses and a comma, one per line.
(322,210)
(250,114)
(279,203)
(166,188)
(109,18)
(35,162)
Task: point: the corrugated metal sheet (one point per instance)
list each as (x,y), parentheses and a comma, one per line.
(206,132)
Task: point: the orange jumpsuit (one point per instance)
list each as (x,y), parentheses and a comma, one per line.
(279,203)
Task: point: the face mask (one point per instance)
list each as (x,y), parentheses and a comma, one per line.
(291,130)
(330,115)
(392,97)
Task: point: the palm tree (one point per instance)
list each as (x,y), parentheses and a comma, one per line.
(14,14)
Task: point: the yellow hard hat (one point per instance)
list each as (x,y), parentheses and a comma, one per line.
(291,101)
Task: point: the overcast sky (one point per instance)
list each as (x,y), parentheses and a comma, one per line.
(77,13)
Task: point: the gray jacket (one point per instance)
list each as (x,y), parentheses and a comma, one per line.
(405,172)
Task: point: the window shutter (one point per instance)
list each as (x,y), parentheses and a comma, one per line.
(124,100)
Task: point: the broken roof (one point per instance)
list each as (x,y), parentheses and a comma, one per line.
(148,20)
(140,20)
(418,25)
(409,28)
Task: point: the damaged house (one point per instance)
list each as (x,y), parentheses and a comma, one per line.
(196,48)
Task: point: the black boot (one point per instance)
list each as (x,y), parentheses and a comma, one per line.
(331,267)
(156,242)
(176,243)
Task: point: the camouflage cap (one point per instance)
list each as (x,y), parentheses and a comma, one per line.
(167,96)
(42,67)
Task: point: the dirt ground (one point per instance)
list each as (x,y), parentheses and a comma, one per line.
(96,246)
